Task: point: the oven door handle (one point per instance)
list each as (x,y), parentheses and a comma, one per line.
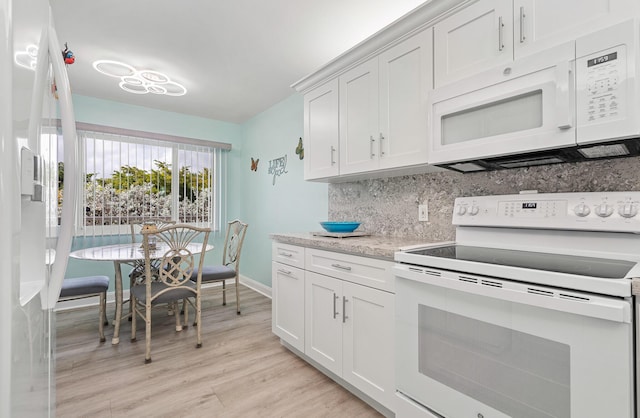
(616,310)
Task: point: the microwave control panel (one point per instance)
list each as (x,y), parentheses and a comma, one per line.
(604,73)
(606,77)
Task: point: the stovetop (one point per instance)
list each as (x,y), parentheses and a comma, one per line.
(559,263)
(588,242)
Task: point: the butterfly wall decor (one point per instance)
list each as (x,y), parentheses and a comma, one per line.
(254,164)
(300,149)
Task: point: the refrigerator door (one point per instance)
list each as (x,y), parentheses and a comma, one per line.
(28,214)
(69,135)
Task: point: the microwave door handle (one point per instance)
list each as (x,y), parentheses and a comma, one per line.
(564,89)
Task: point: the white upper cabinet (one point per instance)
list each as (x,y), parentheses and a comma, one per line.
(383,114)
(489,33)
(359,118)
(406,77)
(476,38)
(540,24)
(321,132)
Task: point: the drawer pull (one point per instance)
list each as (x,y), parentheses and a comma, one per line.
(287,272)
(286,254)
(335,312)
(341,267)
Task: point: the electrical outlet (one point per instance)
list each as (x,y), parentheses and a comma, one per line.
(423,212)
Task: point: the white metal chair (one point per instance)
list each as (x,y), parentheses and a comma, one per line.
(175,254)
(230,267)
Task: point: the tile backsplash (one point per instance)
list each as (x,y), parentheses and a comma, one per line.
(389,206)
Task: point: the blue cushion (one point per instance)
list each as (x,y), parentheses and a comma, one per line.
(84,286)
(214,273)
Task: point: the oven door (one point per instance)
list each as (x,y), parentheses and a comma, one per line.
(526,106)
(470,346)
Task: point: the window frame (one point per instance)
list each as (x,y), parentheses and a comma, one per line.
(218,153)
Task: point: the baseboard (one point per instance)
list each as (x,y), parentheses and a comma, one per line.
(85,302)
(111,296)
(255,285)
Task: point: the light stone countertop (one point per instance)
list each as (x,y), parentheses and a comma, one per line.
(376,246)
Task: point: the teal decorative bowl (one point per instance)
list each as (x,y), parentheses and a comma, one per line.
(340,226)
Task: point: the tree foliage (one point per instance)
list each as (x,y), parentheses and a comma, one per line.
(134,192)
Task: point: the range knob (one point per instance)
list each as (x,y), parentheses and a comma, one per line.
(628,210)
(474,210)
(461,210)
(582,210)
(604,210)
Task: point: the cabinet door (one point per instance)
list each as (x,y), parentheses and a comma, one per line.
(359,133)
(321,132)
(368,350)
(405,79)
(540,24)
(476,38)
(287,307)
(323,321)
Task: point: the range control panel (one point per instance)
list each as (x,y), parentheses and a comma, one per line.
(600,211)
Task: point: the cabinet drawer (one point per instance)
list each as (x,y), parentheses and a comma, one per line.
(362,270)
(288,254)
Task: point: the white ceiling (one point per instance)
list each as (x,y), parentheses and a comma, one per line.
(236,58)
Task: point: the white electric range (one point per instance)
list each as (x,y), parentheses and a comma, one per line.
(529,313)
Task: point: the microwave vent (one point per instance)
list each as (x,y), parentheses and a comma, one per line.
(603,151)
(467,167)
(532,162)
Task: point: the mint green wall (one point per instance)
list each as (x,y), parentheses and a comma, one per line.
(108,113)
(291,205)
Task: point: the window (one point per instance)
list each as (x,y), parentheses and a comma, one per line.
(130,176)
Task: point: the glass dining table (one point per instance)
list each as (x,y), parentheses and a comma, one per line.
(128,254)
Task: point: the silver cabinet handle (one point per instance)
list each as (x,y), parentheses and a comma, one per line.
(522,16)
(371,146)
(335,312)
(286,254)
(344,309)
(333,151)
(341,267)
(500,27)
(381,150)
(287,272)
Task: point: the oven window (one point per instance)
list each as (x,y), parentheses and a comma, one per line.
(514,114)
(519,374)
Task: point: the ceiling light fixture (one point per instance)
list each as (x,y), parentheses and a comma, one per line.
(139,81)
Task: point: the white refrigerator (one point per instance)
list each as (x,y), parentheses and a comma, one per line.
(35,235)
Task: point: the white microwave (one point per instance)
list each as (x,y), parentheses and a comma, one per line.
(576,101)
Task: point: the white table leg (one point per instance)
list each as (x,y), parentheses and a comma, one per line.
(118,318)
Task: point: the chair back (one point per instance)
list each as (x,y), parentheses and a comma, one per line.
(136,226)
(173,250)
(236,230)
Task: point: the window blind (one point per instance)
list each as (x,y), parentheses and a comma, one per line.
(131,176)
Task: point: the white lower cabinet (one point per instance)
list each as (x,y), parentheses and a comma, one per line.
(346,327)
(349,330)
(287,311)
(368,341)
(323,320)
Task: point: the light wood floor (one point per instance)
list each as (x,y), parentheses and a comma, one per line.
(241,370)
